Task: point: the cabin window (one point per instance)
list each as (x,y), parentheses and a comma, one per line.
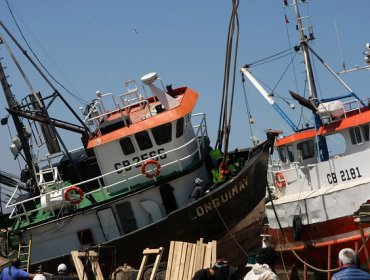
(307,149)
(179,127)
(143,140)
(290,153)
(336,144)
(127,146)
(126,217)
(162,134)
(365,131)
(355,135)
(282,154)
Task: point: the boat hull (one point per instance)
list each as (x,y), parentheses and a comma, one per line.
(321,252)
(232,214)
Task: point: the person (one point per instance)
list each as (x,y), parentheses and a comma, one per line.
(62,269)
(63,273)
(39,277)
(263,269)
(220,271)
(348,267)
(198,190)
(15,273)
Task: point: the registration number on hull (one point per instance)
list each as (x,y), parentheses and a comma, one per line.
(344,175)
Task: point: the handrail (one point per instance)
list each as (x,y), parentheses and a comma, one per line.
(201,131)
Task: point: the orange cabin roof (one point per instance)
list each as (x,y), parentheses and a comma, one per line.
(346,123)
(187,104)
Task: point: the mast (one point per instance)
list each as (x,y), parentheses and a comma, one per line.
(306,54)
(322,147)
(12,103)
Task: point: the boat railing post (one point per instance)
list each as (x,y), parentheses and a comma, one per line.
(304,271)
(329,260)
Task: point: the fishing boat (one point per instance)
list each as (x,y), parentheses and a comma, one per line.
(319,176)
(130,185)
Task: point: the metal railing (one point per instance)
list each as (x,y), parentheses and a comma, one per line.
(21,210)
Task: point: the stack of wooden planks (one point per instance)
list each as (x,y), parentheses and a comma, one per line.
(185,259)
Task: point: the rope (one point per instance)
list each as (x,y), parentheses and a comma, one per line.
(228,229)
(224,123)
(286,240)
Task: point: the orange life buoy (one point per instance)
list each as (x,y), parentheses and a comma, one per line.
(280,180)
(153,171)
(73,195)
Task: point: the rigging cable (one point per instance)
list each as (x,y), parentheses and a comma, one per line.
(250,121)
(79,99)
(339,45)
(290,46)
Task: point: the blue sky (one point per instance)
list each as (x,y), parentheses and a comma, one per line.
(97,45)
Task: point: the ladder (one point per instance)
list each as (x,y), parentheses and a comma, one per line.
(158,252)
(24,254)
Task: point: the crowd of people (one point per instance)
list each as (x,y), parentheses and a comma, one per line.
(263,269)
(14,272)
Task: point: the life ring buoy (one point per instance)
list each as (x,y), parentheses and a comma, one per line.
(280,180)
(152,171)
(73,195)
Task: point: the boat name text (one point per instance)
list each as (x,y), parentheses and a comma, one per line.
(218,200)
(119,165)
(344,175)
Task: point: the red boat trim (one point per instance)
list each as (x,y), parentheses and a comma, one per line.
(352,121)
(324,244)
(186,106)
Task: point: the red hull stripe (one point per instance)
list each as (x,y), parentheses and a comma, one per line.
(327,243)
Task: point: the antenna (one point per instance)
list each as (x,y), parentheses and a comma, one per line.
(339,45)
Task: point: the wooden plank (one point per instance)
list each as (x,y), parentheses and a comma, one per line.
(177,257)
(170,260)
(89,253)
(198,255)
(148,251)
(79,266)
(191,255)
(207,255)
(183,260)
(96,267)
(214,251)
(142,266)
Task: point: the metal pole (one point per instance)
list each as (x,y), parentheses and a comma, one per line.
(364,243)
(329,260)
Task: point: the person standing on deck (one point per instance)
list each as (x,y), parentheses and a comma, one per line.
(198,191)
(348,268)
(15,273)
